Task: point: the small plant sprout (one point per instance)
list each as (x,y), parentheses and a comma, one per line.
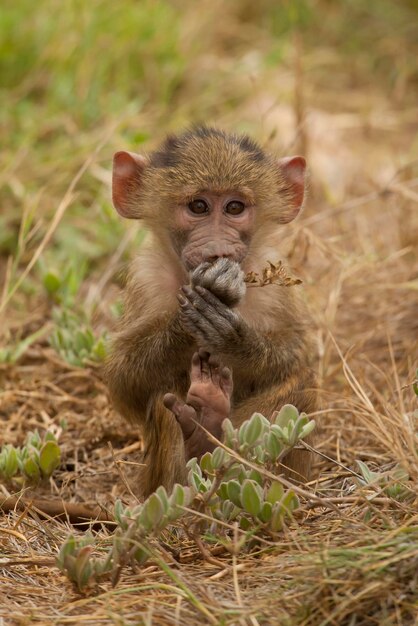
(35,461)
(13,352)
(75,341)
(392,483)
(63,286)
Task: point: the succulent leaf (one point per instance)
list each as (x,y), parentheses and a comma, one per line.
(250,497)
(49,458)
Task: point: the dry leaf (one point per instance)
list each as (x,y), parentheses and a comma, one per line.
(274,273)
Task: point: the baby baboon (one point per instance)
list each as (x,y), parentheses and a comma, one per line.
(214,204)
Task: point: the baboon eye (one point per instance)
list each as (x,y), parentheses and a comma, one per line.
(198,207)
(235,207)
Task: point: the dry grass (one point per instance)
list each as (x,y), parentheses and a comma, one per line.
(355,248)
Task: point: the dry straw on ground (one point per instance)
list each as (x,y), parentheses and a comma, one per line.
(360,559)
(353,562)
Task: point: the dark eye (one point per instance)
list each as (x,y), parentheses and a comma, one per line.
(235,207)
(198,207)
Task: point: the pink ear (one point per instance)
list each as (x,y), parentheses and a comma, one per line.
(128,168)
(292,170)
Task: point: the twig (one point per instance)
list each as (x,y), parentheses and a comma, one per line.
(276,477)
(73,512)
(120,472)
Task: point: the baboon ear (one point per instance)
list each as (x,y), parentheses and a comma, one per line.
(128,169)
(292,170)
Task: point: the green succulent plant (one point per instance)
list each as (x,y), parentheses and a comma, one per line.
(35,460)
(230,484)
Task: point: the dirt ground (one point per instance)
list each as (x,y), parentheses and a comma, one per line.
(356,249)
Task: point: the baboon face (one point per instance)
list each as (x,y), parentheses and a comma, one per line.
(206,192)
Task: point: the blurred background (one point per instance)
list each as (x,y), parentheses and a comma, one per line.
(332,79)
(335,80)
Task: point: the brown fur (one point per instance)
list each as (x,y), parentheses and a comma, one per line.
(152,351)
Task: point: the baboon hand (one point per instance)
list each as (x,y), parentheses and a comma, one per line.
(214,325)
(224,278)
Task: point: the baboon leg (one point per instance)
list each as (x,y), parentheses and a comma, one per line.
(297,464)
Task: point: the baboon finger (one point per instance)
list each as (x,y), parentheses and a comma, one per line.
(204,354)
(214,361)
(173,404)
(226,380)
(215,365)
(204,365)
(195,371)
(186,421)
